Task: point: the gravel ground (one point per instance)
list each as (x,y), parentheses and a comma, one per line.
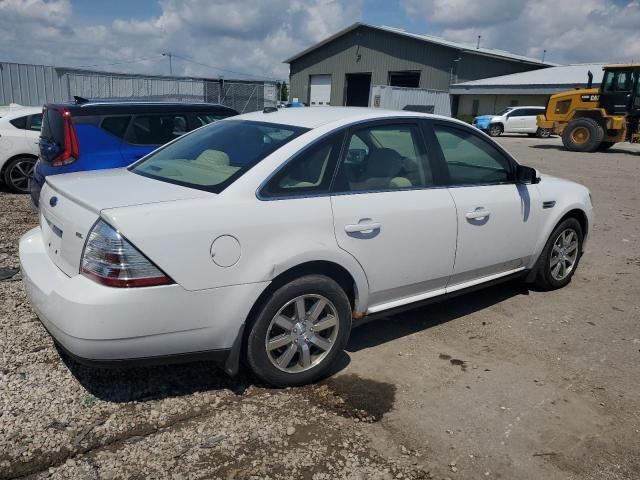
(504,383)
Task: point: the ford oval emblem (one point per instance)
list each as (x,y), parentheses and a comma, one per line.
(53,201)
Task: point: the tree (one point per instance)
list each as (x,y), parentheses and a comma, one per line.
(284,92)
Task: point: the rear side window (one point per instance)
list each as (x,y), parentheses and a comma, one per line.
(156,129)
(116,125)
(310,172)
(20,122)
(470,159)
(53,126)
(36,122)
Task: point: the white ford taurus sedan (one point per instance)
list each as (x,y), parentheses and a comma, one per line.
(262,237)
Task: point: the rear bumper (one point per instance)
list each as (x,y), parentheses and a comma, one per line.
(111,326)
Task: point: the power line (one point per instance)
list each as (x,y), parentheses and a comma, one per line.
(119,63)
(186,59)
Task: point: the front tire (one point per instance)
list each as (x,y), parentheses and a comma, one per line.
(495,130)
(299,332)
(17,173)
(582,135)
(561,255)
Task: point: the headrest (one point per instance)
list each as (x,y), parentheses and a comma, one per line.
(383,163)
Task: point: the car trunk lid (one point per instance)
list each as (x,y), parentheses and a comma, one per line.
(70,205)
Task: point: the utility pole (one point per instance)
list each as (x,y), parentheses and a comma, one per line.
(478,44)
(170,55)
(544,54)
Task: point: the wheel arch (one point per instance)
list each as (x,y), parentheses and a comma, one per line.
(329,268)
(580,216)
(13,157)
(593,114)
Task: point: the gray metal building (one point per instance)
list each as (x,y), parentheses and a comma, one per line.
(491,95)
(39,84)
(341,69)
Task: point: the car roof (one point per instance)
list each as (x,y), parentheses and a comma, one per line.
(313,117)
(110,107)
(19,112)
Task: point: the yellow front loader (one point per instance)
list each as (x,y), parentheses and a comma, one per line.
(596,118)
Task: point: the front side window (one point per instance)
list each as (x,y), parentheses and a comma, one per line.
(470,159)
(212,158)
(386,157)
(310,172)
(617,81)
(156,129)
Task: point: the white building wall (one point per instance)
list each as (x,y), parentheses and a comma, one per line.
(490,104)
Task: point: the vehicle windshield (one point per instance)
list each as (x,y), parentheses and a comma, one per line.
(214,156)
(504,112)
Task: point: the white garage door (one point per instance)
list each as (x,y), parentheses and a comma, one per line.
(320,93)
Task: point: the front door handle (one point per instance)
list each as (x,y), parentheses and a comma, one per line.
(362,227)
(479,212)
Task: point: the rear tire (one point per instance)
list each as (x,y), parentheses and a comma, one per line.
(582,135)
(495,130)
(561,255)
(299,331)
(17,172)
(543,133)
(604,146)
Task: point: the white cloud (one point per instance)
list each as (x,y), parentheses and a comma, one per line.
(571,31)
(251,36)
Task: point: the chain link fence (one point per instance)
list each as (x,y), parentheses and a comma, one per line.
(39,84)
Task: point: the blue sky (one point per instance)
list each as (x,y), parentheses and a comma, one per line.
(222,37)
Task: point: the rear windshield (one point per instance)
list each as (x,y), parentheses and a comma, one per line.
(213,157)
(52,126)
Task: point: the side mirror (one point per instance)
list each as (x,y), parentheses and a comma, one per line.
(527,175)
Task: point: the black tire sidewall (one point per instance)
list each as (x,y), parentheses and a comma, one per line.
(257,357)
(7,177)
(596,133)
(545,280)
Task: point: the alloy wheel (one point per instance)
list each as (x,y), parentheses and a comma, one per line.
(20,173)
(302,333)
(564,254)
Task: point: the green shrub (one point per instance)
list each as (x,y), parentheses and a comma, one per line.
(464,117)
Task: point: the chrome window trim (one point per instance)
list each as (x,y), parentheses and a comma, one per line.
(408,119)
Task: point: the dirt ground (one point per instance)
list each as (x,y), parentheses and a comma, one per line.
(505,383)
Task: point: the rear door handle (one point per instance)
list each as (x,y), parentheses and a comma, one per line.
(362,227)
(479,212)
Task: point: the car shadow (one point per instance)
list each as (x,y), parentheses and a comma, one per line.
(141,384)
(121,385)
(612,150)
(389,328)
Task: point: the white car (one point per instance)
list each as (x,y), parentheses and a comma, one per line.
(512,120)
(19,132)
(262,237)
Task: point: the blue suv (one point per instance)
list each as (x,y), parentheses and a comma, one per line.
(90,135)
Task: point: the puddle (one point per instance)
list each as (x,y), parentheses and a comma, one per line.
(351,396)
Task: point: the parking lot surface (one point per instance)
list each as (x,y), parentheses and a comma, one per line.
(506,382)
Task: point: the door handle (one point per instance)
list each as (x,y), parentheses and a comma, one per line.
(479,212)
(362,227)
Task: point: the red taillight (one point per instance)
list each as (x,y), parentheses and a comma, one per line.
(71,152)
